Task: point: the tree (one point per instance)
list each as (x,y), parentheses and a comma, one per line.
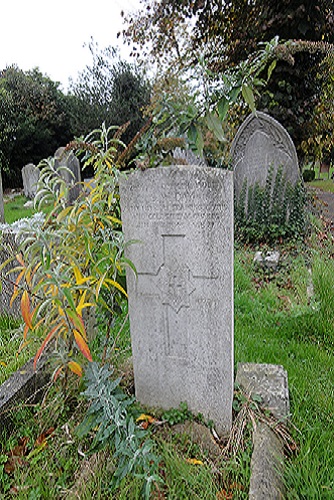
(34,120)
(110,90)
(224,33)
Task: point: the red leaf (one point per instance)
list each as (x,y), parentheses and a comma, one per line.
(45,341)
(81,343)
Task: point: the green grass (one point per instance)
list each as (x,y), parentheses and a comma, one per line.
(14,209)
(10,340)
(275,322)
(270,328)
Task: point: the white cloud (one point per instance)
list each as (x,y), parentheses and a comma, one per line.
(51,35)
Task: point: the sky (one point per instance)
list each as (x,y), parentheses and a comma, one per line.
(51,35)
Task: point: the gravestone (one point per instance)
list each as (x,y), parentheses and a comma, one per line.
(181,301)
(261,142)
(70,173)
(30,177)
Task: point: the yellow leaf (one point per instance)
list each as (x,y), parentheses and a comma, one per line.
(194,461)
(116,285)
(80,279)
(146,418)
(20,260)
(2,363)
(75,368)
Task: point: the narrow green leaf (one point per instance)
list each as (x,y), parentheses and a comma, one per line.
(248,96)
(214,124)
(222,108)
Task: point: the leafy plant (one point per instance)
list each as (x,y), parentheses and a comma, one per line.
(64,264)
(109,414)
(269,213)
(178,415)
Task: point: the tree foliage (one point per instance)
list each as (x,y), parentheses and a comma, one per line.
(112,91)
(34,120)
(225,33)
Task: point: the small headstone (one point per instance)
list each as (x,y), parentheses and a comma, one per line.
(71,173)
(30,177)
(181,302)
(260,143)
(268,381)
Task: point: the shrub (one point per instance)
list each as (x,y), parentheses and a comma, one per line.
(308,175)
(272,212)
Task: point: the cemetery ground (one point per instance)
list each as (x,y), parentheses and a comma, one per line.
(276,321)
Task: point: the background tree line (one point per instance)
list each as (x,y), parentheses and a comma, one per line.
(36,116)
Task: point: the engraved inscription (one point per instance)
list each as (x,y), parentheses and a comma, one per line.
(174,284)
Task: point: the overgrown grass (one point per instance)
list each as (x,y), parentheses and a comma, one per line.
(274,326)
(275,322)
(10,341)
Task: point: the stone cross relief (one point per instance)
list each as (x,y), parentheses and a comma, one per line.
(174,283)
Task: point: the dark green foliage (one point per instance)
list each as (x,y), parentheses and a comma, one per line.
(34,121)
(266,214)
(308,175)
(111,91)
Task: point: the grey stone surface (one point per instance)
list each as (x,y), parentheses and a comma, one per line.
(270,260)
(260,142)
(266,481)
(271,383)
(69,166)
(268,381)
(25,385)
(8,249)
(30,177)
(181,303)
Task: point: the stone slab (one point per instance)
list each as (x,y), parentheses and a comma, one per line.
(26,385)
(260,142)
(181,303)
(268,381)
(69,166)
(267,464)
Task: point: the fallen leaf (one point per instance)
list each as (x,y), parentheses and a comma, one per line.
(146,418)
(42,437)
(194,461)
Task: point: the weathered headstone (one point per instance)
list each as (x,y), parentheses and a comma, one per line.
(260,143)
(181,302)
(30,176)
(71,173)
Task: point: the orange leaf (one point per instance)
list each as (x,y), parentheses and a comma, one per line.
(45,341)
(75,368)
(81,343)
(57,373)
(25,332)
(25,309)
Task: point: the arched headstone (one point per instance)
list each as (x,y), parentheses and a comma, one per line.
(260,143)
